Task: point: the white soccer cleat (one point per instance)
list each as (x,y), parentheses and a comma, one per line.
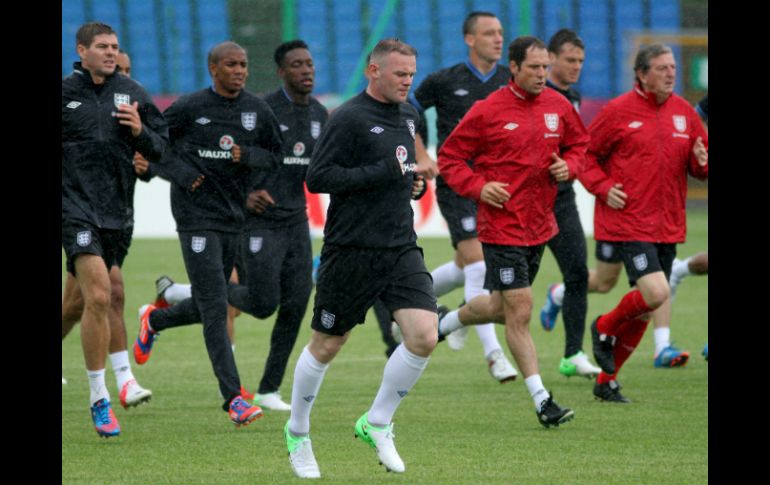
(63,380)
(500,368)
(456,340)
(381,439)
(395,330)
(132,394)
(271,400)
(301,455)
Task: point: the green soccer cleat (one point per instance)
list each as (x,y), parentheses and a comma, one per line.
(578,365)
(381,439)
(301,454)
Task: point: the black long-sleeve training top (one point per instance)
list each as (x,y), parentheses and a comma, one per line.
(97,151)
(203,127)
(365,160)
(300,127)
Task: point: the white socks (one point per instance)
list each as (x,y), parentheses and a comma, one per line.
(474,286)
(402,371)
(308,376)
(662,339)
(449,323)
(557,295)
(177,292)
(96,383)
(446,278)
(121,367)
(536,390)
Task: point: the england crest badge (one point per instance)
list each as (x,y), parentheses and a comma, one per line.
(640,262)
(121,99)
(84,238)
(198,244)
(506,275)
(249,120)
(315,129)
(327,319)
(551,121)
(680,123)
(469,223)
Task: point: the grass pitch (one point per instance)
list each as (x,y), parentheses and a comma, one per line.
(458,425)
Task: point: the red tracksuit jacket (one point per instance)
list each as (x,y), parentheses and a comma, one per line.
(510,136)
(648,148)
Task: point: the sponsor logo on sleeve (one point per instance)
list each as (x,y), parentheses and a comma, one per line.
(377,130)
(73,104)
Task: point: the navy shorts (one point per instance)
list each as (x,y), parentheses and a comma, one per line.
(643,258)
(79,237)
(511,267)
(351,279)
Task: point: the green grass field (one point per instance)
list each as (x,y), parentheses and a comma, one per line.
(458,425)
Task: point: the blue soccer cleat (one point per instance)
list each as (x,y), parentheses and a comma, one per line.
(671,357)
(705,352)
(550,311)
(105,422)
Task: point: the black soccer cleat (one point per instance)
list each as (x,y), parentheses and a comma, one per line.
(551,414)
(442,311)
(610,392)
(603,346)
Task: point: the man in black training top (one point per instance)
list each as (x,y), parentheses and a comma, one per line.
(365,160)
(106,118)
(218,136)
(276,254)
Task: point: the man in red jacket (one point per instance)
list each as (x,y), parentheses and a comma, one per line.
(522,139)
(643,145)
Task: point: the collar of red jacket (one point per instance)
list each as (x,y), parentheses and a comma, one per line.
(520,93)
(647,96)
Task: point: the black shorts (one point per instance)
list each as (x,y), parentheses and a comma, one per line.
(608,252)
(459,213)
(511,267)
(125,242)
(351,279)
(79,237)
(643,258)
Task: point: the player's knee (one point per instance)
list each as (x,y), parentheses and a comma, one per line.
(656,296)
(606,285)
(576,278)
(97,300)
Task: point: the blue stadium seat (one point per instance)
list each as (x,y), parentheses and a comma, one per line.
(108,12)
(557,15)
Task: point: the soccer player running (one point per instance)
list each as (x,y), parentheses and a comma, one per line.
(643,145)
(365,160)
(106,118)
(276,253)
(218,136)
(453,91)
(523,139)
(130,392)
(567,52)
